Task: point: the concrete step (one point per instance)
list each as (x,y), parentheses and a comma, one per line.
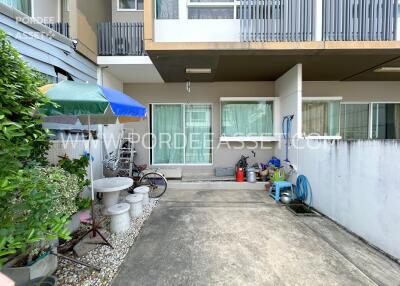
(179,185)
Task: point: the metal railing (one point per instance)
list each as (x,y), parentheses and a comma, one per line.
(62,28)
(277,20)
(359,20)
(120,39)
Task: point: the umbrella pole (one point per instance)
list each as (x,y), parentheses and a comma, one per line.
(94,229)
(91,179)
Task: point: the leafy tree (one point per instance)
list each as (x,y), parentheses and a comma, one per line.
(22,139)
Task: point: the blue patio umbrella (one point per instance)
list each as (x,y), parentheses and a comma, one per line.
(90,101)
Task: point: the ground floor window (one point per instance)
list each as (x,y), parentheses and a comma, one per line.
(386,121)
(321,117)
(182,134)
(247,118)
(354,121)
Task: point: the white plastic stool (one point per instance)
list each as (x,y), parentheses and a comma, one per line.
(135,201)
(143,190)
(120,220)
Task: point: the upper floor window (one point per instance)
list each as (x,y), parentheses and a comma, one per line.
(321,117)
(130,5)
(211,9)
(167,9)
(25,6)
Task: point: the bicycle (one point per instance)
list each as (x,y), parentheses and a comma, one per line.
(141,175)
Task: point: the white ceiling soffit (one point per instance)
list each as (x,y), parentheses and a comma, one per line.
(131,69)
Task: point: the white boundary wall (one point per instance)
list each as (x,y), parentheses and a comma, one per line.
(74,150)
(356,183)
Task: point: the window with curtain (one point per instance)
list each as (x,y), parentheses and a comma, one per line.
(167,9)
(182,134)
(386,120)
(205,9)
(25,6)
(321,118)
(354,121)
(210,13)
(246,118)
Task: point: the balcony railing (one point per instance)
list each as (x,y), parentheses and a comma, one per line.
(62,28)
(277,20)
(359,20)
(304,20)
(120,39)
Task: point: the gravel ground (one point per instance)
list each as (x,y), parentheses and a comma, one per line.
(109,260)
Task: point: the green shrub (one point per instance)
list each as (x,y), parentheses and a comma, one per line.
(65,185)
(76,167)
(32,207)
(29,211)
(22,139)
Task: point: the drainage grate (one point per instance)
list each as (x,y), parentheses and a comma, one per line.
(301,210)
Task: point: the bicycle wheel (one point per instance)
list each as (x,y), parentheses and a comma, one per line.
(156,182)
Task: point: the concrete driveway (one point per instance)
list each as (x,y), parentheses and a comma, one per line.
(244,238)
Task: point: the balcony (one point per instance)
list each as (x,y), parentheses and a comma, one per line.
(318,20)
(360,20)
(62,28)
(277,20)
(120,39)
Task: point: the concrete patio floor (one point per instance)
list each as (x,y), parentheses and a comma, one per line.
(205,237)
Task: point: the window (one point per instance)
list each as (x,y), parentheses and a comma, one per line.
(321,117)
(182,134)
(386,121)
(247,118)
(130,5)
(211,9)
(354,119)
(167,9)
(25,6)
(211,13)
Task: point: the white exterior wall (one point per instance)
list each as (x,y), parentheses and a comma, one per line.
(289,90)
(355,183)
(193,30)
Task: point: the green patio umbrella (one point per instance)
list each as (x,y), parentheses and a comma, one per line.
(91,103)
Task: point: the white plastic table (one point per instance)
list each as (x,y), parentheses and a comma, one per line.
(110,187)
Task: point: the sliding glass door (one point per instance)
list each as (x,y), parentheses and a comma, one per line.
(181,134)
(168,132)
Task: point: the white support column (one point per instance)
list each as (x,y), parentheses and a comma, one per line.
(318,20)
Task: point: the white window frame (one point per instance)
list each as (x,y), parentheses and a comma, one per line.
(151,154)
(369,116)
(332,98)
(129,10)
(275,117)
